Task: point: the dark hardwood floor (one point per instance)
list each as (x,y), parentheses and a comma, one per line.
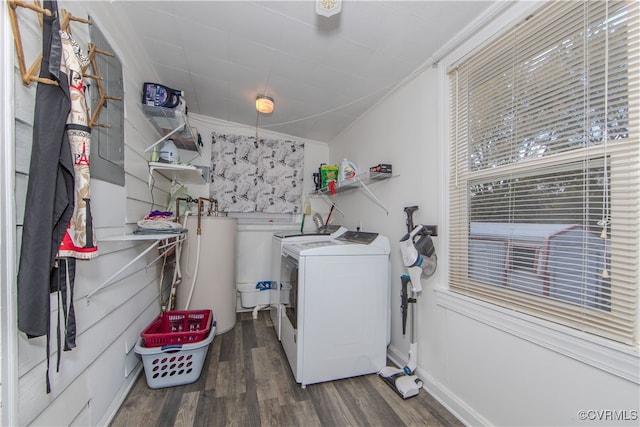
(246,381)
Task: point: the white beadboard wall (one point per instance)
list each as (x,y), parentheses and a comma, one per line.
(8,336)
(94,377)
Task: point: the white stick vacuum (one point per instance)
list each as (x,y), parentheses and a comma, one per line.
(403,380)
(418,255)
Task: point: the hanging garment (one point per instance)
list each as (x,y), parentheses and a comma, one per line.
(49,199)
(79,240)
(62,278)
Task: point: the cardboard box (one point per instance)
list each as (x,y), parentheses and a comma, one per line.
(382,170)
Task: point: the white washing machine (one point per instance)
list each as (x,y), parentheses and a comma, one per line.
(280,299)
(336,325)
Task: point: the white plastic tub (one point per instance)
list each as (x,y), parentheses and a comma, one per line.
(251,297)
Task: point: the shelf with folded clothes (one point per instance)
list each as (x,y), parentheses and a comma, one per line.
(159,236)
(162,239)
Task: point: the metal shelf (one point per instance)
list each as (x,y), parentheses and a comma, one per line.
(354,183)
(360,181)
(174,124)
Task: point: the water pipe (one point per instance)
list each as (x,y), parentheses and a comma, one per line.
(177,274)
(200,202)
(187,199)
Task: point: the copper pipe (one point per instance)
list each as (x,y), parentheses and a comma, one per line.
(201,201)
(215,203)
(185,199)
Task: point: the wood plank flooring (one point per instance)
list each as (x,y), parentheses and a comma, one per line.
(246,381)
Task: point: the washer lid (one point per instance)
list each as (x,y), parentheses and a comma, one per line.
(379,246)
(298,234)
(297,237)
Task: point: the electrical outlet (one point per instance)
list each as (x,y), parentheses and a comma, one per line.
(128,346)
(432,230)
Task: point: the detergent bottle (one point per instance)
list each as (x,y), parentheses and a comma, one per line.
(169,152)
(155,156)
(347,173)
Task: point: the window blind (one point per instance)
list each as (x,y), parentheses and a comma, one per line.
(545,166)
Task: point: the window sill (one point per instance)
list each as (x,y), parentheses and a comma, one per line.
(614,358)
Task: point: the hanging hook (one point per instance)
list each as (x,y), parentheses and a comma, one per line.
(28,75)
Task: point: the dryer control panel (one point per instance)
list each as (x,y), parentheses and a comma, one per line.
(361,237)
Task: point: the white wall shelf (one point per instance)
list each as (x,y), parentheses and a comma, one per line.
(185,174)
(174,124)
(359,182)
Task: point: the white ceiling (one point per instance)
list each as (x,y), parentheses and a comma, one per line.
(322,72)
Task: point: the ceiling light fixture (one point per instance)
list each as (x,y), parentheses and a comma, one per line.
(264,104)
(328,7)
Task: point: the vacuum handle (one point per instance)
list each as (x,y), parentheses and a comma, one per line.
(409,210)
(404,304)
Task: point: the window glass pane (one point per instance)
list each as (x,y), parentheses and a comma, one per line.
(544,230)
(572,195)
(547,97)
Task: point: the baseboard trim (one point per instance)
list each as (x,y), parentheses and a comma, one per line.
(457,407)
(122,394)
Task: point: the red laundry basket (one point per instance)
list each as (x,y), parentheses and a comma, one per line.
(178,327)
